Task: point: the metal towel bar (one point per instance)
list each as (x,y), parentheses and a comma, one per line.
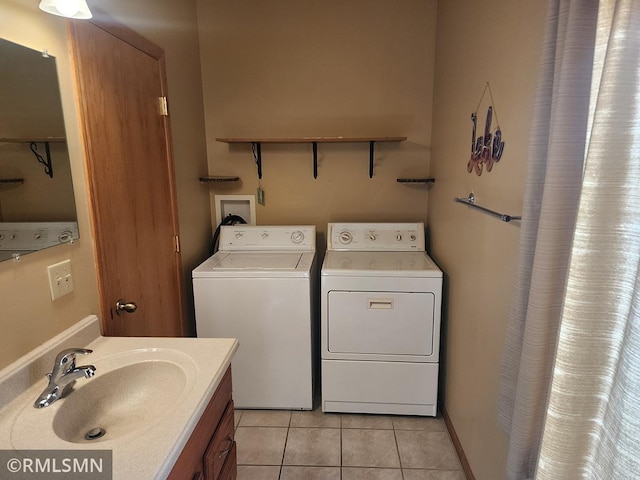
(470,201)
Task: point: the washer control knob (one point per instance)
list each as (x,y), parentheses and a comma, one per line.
(65,237)
(265,235)
(37,236)
(1,236)
(373,236)
(345,237)
(412,238)
(297,236)
(239,235)
(399,237)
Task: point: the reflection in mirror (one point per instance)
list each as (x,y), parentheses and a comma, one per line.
(37,206)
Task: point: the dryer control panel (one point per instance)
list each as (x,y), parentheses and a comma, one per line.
(378,237)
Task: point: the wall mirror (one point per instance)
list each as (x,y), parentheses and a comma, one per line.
(37,205)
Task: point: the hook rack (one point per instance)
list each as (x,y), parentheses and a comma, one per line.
(471,201)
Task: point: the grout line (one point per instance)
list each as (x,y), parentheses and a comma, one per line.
(340,416)
(286,439)
(395,437)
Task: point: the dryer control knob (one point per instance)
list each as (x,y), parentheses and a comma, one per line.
(372,236)
(345,237)
(239,235)
(297,236)
(265,235)
(413,238)
(399,237)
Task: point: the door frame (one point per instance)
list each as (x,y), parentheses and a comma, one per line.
(110,25)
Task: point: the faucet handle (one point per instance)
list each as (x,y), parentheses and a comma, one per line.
(69,355)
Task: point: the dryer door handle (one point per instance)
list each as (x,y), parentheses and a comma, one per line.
(380,303)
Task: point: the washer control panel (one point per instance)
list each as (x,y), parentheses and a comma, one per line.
(257,237)
(400,237)
(31,236)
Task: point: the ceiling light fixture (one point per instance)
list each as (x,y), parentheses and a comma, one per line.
(66,8)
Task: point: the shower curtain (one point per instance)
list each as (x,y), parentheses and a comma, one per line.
(571,366)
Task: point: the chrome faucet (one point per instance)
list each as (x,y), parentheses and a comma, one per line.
(63,376)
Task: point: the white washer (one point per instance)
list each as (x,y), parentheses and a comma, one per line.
(380,300)
(259,288)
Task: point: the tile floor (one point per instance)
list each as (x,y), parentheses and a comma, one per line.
(311,445)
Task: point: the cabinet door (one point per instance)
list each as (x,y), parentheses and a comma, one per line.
(221,445)
(230,469)
(191,458)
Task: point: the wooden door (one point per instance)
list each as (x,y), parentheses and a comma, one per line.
(121,78)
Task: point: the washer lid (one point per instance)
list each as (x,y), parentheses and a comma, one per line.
(257,261)
(396,264)
(256,264)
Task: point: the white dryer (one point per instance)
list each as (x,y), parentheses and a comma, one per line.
(260,288)
(381,297)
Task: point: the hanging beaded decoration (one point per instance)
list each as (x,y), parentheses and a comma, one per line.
(484,151)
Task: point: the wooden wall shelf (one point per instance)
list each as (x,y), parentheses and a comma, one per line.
(33,139)
(311,139)
(219,179)
(11,181)
(416,180)
(257,150)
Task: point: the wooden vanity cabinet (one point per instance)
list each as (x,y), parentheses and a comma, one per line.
(210,452)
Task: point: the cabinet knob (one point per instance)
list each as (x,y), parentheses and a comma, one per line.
(224,452)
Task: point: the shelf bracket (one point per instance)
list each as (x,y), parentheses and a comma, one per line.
(315,159)
(257,155)
(48,167)
(371,144)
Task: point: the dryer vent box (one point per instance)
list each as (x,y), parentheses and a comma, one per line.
(242,205)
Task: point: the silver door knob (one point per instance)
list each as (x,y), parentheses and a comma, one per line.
(128,307)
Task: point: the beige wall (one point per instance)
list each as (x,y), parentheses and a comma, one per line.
(28,317)
(496,41)
(320,68)
(287,68)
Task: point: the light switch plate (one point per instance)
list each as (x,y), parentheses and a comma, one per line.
(60,279)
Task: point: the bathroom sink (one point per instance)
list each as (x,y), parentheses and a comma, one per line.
(147,394)
(130,393)
(119,402)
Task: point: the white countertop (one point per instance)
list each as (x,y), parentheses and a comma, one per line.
(146,454)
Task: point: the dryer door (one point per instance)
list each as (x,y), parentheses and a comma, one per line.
(378,325)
